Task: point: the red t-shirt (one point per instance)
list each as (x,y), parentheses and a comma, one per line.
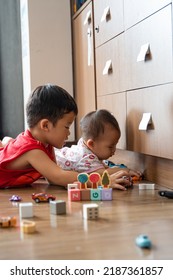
(22,144)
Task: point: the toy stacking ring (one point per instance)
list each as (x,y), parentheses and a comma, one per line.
(28,226)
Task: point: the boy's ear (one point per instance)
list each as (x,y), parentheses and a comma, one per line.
(90,143)
(44,124)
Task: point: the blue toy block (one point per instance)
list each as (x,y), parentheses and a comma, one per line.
(95,194)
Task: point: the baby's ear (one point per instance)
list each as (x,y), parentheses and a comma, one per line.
(90,143)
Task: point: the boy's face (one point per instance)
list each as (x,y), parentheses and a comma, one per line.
(60,132)
(105,146)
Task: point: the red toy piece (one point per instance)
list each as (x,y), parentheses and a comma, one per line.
(42,197)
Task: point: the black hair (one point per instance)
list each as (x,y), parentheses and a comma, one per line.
(50,102)
(93,124)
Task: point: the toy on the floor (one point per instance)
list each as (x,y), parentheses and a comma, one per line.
(26,210)
(79,190)
(146,186)
(8,221)
(15,198)
(28,226)
(42,197)
(143,241)
(90,211)
(58,207)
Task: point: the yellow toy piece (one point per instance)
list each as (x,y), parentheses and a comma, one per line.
(28,226)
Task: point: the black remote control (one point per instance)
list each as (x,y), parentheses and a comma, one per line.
(168,194)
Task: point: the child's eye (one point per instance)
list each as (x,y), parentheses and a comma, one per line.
(67,127)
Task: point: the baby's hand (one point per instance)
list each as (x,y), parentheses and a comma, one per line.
(136,173)
(120,179)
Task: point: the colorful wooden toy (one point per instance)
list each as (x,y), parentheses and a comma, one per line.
(78,192)
(83,179)
(105,179)
(94,179)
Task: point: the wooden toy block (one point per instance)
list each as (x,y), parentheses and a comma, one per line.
(90,211)
(94,179)
(73,186)
(85,194)
(105,179)
(26,210)
(95,194)
(146,186)
(74,194)
(58,207)
(106,194)
(28,226)
(83,179)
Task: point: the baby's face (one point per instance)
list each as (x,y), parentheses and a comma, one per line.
(105,146)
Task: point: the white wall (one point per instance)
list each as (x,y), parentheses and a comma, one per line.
(47,45)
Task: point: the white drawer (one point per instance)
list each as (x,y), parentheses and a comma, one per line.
(109,20)
(154,68)
(156,138)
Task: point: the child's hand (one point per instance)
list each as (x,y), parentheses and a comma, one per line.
(120,179)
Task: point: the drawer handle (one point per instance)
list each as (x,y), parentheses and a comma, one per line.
(88,18)
(144,52)
(145,121)
(106,14)
(108,67)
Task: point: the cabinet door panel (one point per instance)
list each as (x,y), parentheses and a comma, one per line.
(116,103)
(141,9)
(84,75)
(109,20)
(156,140)
(113,79)
(155,63)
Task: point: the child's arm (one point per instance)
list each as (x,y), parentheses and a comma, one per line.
(40,161)
(50,170)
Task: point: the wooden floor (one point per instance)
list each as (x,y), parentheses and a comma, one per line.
(69,236)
